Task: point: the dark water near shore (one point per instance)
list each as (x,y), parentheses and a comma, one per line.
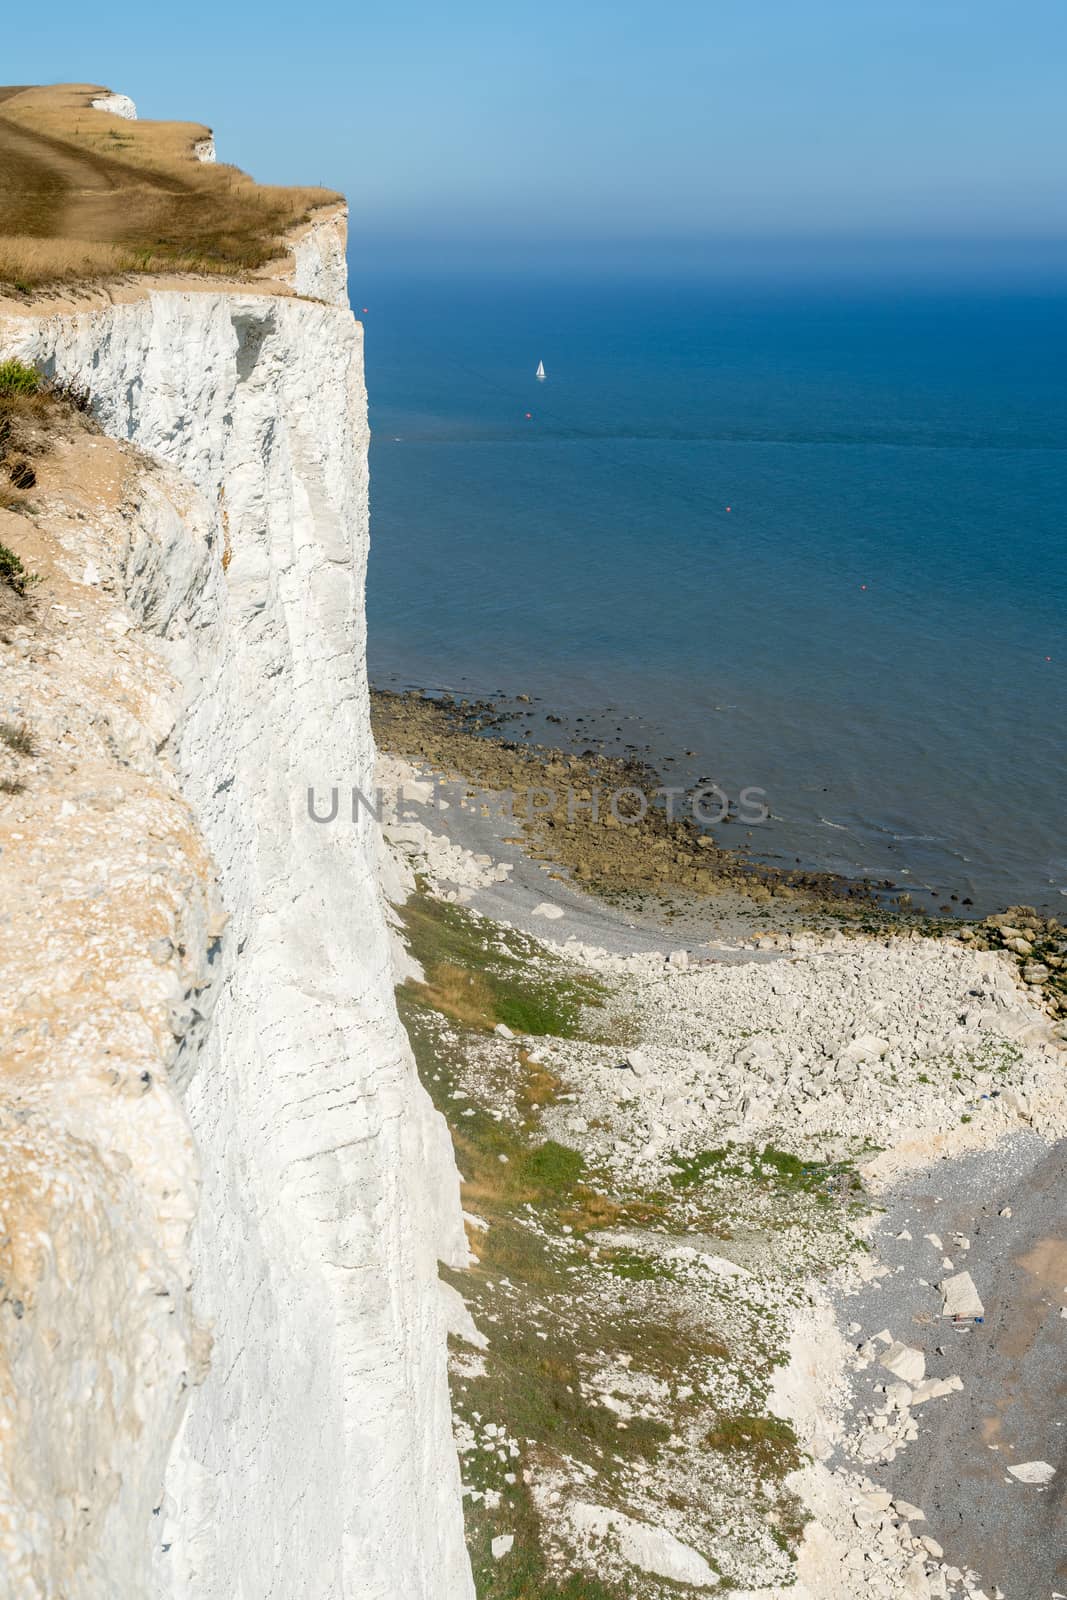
(873,632)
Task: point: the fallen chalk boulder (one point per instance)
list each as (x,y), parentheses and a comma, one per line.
(960,1297)
(651,1549)
(904,1362)
(723,1268)
(638,1063)
(1033,1472)
(935,1389)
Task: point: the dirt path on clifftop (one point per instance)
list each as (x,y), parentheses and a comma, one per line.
(49,188)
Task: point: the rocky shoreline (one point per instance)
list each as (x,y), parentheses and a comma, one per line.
(635,847)
(671,867)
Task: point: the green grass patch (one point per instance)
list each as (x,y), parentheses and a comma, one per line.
(552,1168)
(768,1443)
(16,378)
(768,1168)
(480,978)
(12,571)
(546,1174)
(636,1267)
(537,1386)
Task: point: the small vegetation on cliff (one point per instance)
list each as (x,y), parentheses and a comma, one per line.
(16,378)
(767,1442)
(34,412)
(17,737)
(18,741)
(481,981)
(12,571)
(770,1168)
(82,196)
(19,393)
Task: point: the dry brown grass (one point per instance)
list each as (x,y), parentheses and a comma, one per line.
(538,1086)
(460,994)
(592,1210)
(84,194)
(26,262)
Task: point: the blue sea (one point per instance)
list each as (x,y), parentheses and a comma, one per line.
(815,537)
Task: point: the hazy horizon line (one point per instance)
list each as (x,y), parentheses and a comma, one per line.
(767,257)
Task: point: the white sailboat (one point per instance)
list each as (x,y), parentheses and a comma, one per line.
(540,373)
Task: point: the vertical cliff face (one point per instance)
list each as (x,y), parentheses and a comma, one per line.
(316,1455)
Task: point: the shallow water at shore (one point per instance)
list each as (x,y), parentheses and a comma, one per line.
(872,632)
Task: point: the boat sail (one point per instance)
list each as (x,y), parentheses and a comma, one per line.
(540,370)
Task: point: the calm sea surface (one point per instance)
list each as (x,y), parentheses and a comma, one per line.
(818,540)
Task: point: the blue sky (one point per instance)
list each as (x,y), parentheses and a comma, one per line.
(583,120)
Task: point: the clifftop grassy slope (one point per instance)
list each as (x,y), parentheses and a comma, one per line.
(84,194)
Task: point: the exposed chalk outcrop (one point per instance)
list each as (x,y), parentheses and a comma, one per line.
(653,1550)
(319,268)
(204,149)
(316,1456)
(118,105)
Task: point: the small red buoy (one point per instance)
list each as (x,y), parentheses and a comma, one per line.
(863,586)
(365,308)
(529,414)
(729,508)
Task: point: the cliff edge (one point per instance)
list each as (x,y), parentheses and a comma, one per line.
(224,1192)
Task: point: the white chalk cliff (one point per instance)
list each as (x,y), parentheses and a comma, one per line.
(116,105)
(233,1383)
